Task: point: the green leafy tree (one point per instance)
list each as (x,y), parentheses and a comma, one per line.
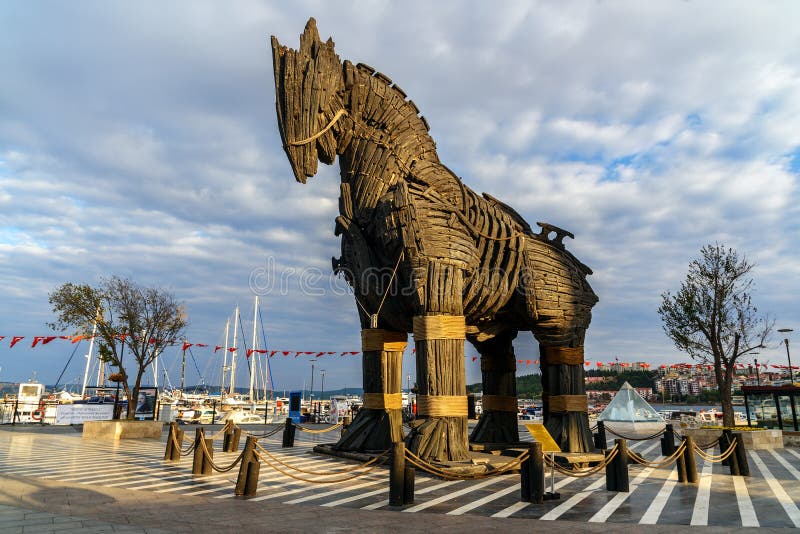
(712,317)
(134,324)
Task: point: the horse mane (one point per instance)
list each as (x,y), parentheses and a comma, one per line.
(386,107)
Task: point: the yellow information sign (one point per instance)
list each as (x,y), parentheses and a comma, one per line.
(540,434)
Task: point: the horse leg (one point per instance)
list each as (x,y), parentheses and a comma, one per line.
(498,422)
(440,432)
(379,423)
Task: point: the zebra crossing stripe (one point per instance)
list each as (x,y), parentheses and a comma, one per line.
(701,502)
(429,489)
(565,506)
(611,506)
(447,497)
(794,472)
(355,497)
(480,502)
(517,506)
(746,510)
(315,495)
(653,512)
(783,498)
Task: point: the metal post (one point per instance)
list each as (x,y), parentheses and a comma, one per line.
(668,441)
(691,465)
(611,472)
(471,406)
(213,411)
(397,474)
(536,473)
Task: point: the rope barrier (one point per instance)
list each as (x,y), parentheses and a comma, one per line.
(266,460)
(320,431)
(656,435)
(267,434)
(710,445)
(715,459)
(323,473)
(215,466)
(432,469)
(580,473)
(177,445)
(656,465)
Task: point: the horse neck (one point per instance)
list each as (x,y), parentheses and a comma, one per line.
(385,140)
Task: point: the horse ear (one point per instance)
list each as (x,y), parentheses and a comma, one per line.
(309,40)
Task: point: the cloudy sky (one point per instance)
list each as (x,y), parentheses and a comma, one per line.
(140,139)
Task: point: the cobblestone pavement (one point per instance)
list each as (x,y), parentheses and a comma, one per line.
(54,481)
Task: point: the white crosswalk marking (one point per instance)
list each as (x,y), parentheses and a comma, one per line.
(449,496)
(422,491)
(700,511)
(653,512)
(480,502)
(783,498)
(786,465)
(746,510)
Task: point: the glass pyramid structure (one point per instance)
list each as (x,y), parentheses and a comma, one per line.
(628,406)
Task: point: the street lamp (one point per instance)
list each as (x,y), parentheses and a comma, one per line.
(788,356)
(322,393)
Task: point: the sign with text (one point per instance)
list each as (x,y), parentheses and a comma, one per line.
(75,414)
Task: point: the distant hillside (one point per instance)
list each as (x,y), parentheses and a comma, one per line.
(528,387)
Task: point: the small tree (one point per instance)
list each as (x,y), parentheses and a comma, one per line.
(142,320)
(712,317)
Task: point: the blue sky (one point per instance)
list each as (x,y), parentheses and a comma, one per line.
(140,139)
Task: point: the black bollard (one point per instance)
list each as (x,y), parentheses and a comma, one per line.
(525,475)
(600,436)
(237,437)
(611,472)
(408,485)
(227,438)
(741,455)
(691,465)
(168,454)
(536,473)
(197,460)
(623,481)
(668,441)
(345,424)
(253,468)
(724,443)
(397,474)
(288,433)
(248,455)
(731,461)
(208,456)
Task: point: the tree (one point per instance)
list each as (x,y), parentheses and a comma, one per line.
(142,320)
(712,317)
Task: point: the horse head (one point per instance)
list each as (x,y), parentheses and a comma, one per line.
(309,88)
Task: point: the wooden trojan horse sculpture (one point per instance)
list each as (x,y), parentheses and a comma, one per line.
(427,255)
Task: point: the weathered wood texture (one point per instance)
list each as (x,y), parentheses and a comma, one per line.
(375,429)
(416,240)
(498,369)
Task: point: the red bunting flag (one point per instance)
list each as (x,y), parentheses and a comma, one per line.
(48,339)
(232,349)
(2,338)
(286,352)
(519,361)
(187,345)
(527,362)
(474,358)
(36,340)
(59,337)
(599,364)
(272,353)
(249,352)
(321,354)
(536,362)
(587,363)
(217,348)
(15,340)
(200,345)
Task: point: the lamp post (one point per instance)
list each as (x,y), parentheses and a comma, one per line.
(322,393)
(758,377)
(788,356)
(311,393)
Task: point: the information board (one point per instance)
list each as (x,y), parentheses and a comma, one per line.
(75,414)
(541,435)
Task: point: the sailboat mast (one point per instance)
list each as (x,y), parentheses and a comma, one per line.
(233,350)
(183,367)
(225,358)
(89,357)
(254,347)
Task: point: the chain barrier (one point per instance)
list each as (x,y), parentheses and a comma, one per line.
(433,470)
(718,458)
(672,458)
(710,445)
(215,466)
(267,455)
(656,435)
(580,473)
(320,431)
